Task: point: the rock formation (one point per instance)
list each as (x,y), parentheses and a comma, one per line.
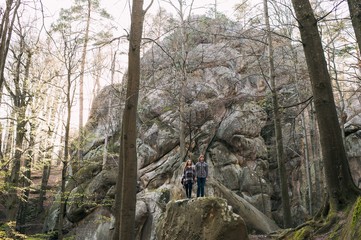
(227,118)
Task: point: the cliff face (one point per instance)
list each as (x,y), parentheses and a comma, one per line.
(227,116)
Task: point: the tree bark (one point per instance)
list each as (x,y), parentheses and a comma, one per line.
(19,96)
(44,182)
(65,160)
(355,12)
(128,157)
(341,188)
(287,220)
(81,84)
(182,100)
(6,29)
(25,183)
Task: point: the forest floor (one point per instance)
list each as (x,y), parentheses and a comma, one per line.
(36,218)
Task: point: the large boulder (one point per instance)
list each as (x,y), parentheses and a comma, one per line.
(201,218)
(353,146)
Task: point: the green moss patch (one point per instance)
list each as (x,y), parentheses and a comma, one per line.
(303,233)
(352,228)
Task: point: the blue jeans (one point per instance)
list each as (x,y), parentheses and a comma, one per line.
(201,182)
(188,187)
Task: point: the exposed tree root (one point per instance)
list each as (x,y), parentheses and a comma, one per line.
(325,223)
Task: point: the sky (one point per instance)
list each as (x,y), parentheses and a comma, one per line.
(120,8)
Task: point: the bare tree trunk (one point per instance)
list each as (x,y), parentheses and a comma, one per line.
(98,72)
(65,160)
(306,137)
(129,183)
(112,67)
(355,12)
(26,182)
(287,220)
(44,182)
(317,158)
(19,97)
(182,101)
(52,122)
(307,164)
(6,29)
(81,85)
(127,180)
(119,192)
(107,132)
(341,188)
(12,201)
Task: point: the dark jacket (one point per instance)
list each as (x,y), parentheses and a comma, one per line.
(201,169)
(189,174)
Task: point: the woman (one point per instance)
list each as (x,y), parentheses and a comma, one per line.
(189,176)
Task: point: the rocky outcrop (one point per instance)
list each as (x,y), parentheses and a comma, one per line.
(201,218)
(226,115)
(254,218)
(353,147)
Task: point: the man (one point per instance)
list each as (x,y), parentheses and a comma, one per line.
(202,174)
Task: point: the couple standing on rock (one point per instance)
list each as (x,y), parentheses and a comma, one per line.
(190,173)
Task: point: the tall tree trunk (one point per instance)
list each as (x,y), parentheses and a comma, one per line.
(341,188)
(119,191)
(65,160)
(12,201)
(26,182)
(81,84)
(182,100)
(44,181)
(128,157)
(112,67)
(355,12)
(129,181)
(307,163)
(306,138)
(53,122)
(19,97)
(317,158)
(287,220)
(6,29)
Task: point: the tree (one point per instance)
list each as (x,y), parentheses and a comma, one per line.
(21,97)
(287,221)
(355,12)
(79,18)
(81,80)
(341,188)
(180,64)
(65,161)
(67,54)
(6,30)
(127,177)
